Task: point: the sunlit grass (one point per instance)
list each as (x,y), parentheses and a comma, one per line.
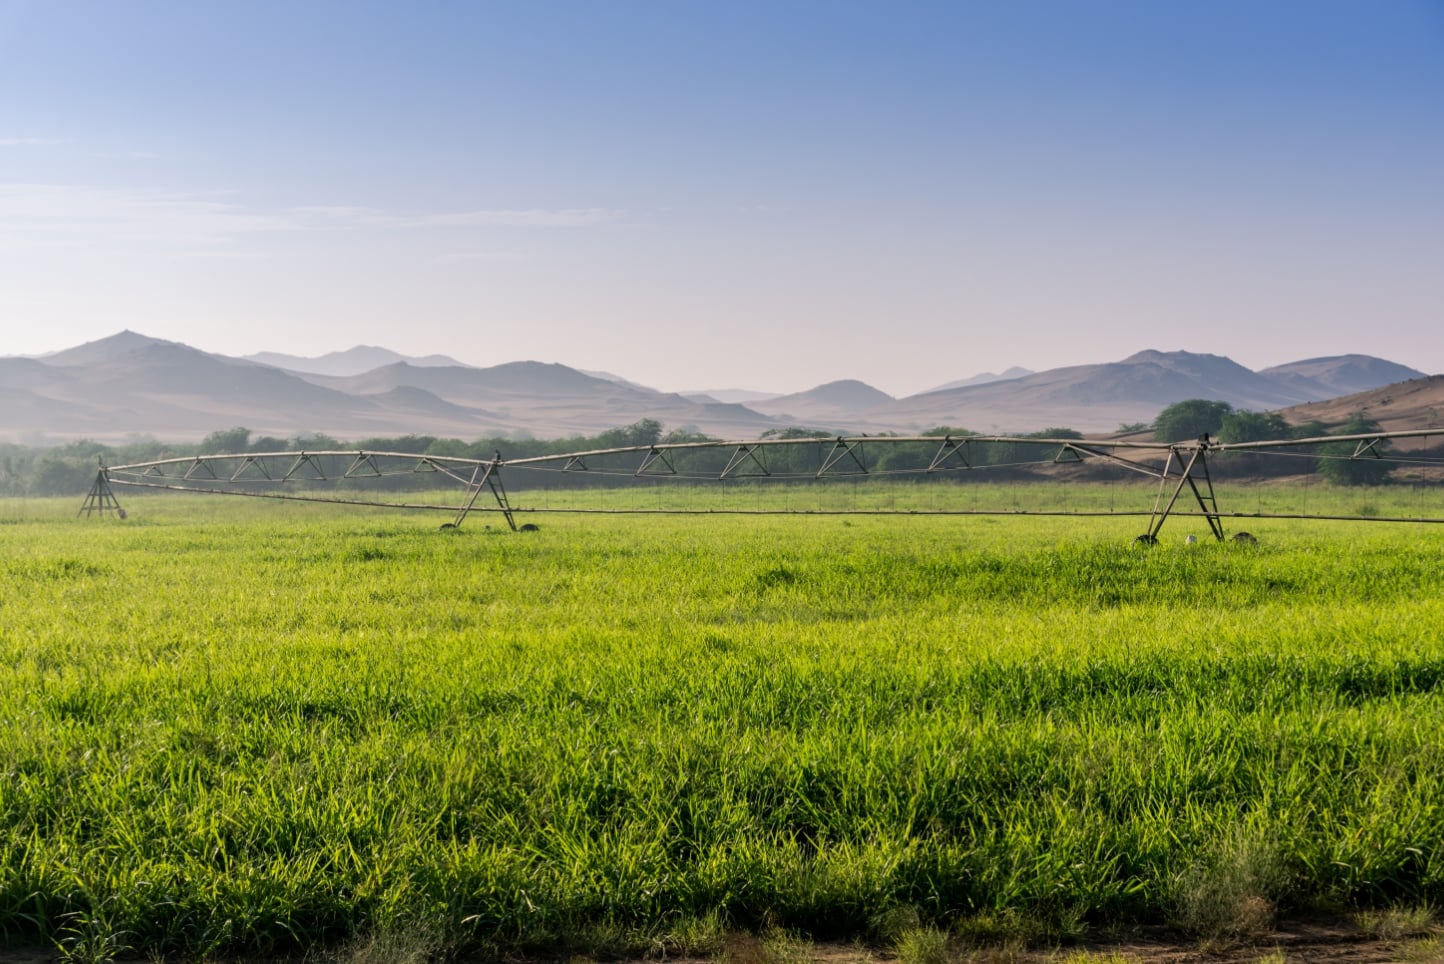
(232,726)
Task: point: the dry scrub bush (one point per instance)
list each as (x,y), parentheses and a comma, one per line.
(1430,950)
(1227,894)
(387,947)
(922,945)
(891,924)
(776,946)
(1398,922)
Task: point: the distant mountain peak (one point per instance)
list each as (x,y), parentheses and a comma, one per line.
(848,391)
(731,396)
(1155,356)
(1334,362)
(983,378)
(610,377)
(126,340)
(112,346)
(353,361)
(1336,375)
(834,403)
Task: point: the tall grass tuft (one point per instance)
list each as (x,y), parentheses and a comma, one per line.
(922,945)
(1398,922)
(1232,891)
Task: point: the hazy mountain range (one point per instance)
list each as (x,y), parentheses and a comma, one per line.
(130,384)
(352,361)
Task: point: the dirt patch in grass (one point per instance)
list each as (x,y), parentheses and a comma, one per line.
(1337,941)
(1340,941)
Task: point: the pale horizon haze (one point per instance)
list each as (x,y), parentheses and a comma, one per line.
(754,195)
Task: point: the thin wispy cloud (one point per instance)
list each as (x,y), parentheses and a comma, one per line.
(343,216)
(70,141)
(52,215)
(49,215)
(340,216)
(478,257)
(530,218)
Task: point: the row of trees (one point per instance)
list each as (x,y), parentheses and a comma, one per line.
(1197,417)
(70,469)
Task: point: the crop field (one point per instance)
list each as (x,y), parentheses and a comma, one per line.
(231,726)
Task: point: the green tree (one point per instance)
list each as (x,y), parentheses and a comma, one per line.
(448,446)
(231,441)
(317,442)
(404,443)
(53,475)
(1242,425)
(139,448)
(647,431)
(688,434)
(1353,463)
(1187,420)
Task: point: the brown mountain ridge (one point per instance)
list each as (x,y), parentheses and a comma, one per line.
(131,384)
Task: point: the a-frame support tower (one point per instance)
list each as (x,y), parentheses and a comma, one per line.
(101,499)
(1193,473)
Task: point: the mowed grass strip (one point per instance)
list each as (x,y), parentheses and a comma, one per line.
(230,727)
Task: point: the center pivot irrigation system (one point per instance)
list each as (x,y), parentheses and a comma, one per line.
(353,476)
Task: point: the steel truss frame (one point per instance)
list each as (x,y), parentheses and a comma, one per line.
(1178,466)
(101,500)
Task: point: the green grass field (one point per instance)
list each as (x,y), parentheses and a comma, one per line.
(235,726)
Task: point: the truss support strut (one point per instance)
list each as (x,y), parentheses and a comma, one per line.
(101,499)
(1194,475)
(486,476)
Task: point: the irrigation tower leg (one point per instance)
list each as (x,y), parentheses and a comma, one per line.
(101,499)
(1194,471)
(489,478)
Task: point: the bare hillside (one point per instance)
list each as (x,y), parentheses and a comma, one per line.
(1410,405)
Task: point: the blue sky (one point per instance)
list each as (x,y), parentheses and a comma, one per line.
(706,195)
